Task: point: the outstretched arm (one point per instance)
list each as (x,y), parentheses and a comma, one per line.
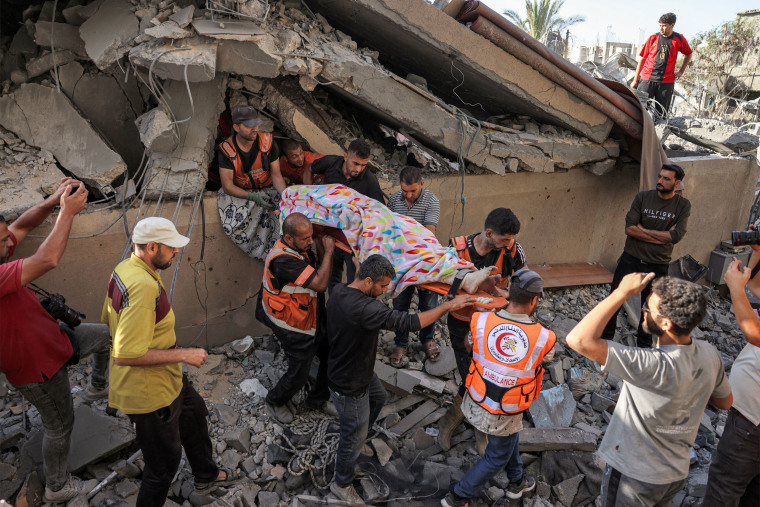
(586,337)
(155,357)
(430,316)
(35,215)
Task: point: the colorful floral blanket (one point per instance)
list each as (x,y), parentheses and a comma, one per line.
(371,228)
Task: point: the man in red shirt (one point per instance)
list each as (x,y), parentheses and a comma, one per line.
(655,74)
(294,160)
(34,350)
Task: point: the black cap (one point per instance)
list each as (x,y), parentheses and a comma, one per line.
(246,115)
(528,280)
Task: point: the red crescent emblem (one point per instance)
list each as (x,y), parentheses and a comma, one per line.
(510,344)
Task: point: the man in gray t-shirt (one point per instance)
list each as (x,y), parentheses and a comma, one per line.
(656,221)
(664,393)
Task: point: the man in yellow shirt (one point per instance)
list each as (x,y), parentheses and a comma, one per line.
(146,376)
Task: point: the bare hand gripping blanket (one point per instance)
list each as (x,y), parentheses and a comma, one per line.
(371,228)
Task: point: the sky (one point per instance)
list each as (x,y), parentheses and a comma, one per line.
(633,21)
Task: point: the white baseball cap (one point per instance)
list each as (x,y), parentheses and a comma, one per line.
(158,230)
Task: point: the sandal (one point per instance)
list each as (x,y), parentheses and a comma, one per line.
(230,477)
(432,350)
(398,357)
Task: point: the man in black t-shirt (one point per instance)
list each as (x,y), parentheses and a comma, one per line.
(354,320)
(349,170)
(292,305)
(656,221)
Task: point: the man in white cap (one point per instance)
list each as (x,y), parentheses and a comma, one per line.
(146,376)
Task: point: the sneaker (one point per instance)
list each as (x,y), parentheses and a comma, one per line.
(92,393)
(347,494)
(74,487)
(516,489)
(281,413)
(453,500)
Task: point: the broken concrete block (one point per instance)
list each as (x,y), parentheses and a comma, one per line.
(168,30)
(382,450)
(230,458)
(184,16)
(94,437)
(156,132)
(23,185)
(602,403)
(66,37)
(239,438)
(556,372)
(601,168)
(246,59)
(289,40)
(108,33)
(38,66)
(172,59)
(43,117)
(556,439)
(567,489)
(294,66)
(268,499)
(553,408)
(422,440)
(126,488)
(182,171)
(446,362)
(68,75)
(228,416)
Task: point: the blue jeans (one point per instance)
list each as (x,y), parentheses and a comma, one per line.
(356,415)
(52,399)
(501,452)
(427,301)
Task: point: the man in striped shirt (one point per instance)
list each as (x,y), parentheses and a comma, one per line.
(422,205)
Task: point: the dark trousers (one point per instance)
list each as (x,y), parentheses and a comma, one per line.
(300,350)
(356,415)
(629,264)
(734,477)
(163,434)
(427,301)
(662,93)
(341,258)
(458,330)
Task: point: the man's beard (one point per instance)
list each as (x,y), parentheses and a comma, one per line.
(651,326)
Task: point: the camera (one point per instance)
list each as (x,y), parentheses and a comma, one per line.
(55,305)
(741,238)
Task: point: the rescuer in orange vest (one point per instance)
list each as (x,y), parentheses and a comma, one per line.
(292,305)
(249,160)
(504,378)
(495,246)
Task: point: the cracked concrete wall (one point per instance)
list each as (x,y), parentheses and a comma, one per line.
(566,217)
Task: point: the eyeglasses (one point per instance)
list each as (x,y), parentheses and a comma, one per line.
(645,308)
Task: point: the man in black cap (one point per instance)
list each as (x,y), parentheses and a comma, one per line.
(249,160)
(249,169)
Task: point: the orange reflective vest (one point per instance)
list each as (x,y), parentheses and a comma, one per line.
(292,306)
(460,245)
(506,373)
(254,177)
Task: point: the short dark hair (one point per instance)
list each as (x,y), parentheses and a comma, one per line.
(3,220)
(376,267)
(520,296)
(681,302)
(502,221)
(360,148)
(676,169)
(290,145)
(668,18)
(293,222)
(410,175)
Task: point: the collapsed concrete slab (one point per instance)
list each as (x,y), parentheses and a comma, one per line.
(156,131)
(169,59)
(246,59)
(59,36)
(299,123)
(415,37)
(105,104)
(182,171)
(38,66)
(108,33)
(45,118)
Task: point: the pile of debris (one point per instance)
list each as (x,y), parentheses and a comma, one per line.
(131,93)
(707,136)
(402,461)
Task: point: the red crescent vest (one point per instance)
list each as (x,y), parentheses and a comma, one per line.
(506,373)
(460,245)
(253,177)
(292,307)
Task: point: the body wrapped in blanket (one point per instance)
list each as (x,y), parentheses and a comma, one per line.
(371,228)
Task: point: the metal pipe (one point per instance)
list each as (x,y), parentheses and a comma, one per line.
(472,9)
(490,31)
